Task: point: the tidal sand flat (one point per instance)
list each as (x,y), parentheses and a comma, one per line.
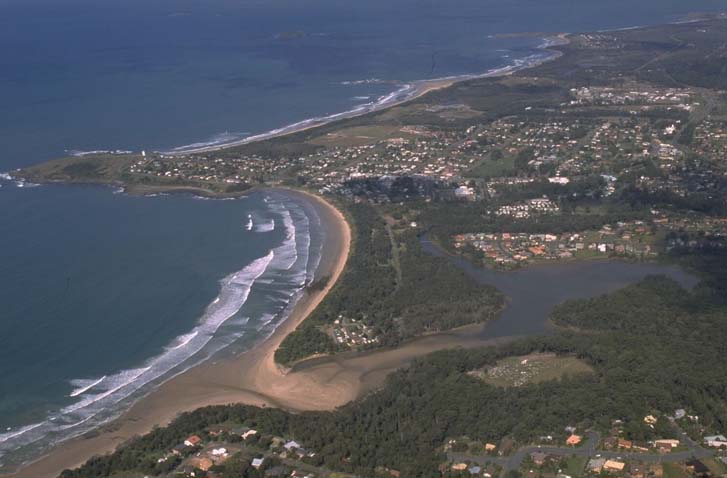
(168,302)
(325,383)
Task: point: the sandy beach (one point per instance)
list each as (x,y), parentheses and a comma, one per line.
(405,94)
(254,378)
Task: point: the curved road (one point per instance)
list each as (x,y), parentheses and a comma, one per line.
(588,449)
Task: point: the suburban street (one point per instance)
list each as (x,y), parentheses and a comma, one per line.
(588,449)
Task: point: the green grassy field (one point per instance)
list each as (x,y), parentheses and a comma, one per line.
(575,466)
(491,168)
(674,470)
(534,368)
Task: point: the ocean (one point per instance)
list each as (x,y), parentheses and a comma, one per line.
(103,295)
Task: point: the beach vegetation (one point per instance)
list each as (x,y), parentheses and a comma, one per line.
(395,288)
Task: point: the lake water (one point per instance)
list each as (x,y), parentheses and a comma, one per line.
(103,295)
(533,292)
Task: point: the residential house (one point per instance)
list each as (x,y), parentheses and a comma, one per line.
(291,445)
(625,444)
(595,465)
(666,446)
(715,441)
(574,440)
(180,449)
(194,440)
(614,466)
(203,463)
(219,452)
(610,443)
(539,458)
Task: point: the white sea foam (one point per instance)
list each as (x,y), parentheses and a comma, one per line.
(185,339)
(7,436)
(265,226)
(234,292)
(367,81)
(78,153)
(404,93)
(278,280)
(83,386)
(116,382)
(6,177)
(24,184)
(222,138)
(248,226)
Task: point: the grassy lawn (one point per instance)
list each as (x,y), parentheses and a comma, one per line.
(575,466)
(490,168)
(534,368)
(715,466)
(674,470)
(359,135)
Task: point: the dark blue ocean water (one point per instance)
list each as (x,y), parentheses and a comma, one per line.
(105,289)
(140,74)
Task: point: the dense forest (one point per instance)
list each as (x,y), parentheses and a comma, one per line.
(425,294)
(654,347)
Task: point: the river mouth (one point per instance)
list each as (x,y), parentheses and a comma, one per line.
(532,294)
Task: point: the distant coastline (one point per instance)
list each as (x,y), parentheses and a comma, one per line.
(265,383)
(405,94)
(253,377)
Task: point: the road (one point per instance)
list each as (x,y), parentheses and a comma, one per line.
(588,449)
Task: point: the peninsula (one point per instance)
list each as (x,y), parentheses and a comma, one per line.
(613,150)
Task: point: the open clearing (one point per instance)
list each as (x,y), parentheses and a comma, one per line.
(534,368)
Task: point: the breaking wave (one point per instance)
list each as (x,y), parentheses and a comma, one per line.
(367,81)
(404,92)
(266,226)
(84,386)
(277,280)
(216,140)
(79,153)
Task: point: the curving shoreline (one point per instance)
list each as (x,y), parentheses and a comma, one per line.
(251,377)
(409,92)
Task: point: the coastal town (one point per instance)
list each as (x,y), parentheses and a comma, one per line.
(405,366)
(633,240)
(602,144)
(571,452)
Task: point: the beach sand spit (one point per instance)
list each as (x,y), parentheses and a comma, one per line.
(254,378)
